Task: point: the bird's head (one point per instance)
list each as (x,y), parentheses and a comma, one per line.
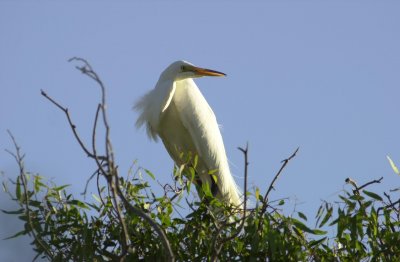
(180,70)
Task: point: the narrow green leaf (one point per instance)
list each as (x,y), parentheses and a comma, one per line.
(206,189)
(316,242)
(319,232)
(195,161)
(61,187)
(96,198)
(20,233)
(301,215)
(326,217)
(18,189)
(303,227)
(148,172)
(373,195)
(78,203)
(16,212)
(257,193)
(357,197)
(36,183)
(213,176)
(392,164)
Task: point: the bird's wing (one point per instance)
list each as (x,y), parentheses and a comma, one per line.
(200,121)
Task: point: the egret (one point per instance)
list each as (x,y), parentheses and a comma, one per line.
(177,112)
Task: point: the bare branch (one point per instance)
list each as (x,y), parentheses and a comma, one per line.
(153,224)
(108,168)
(218,248)
(111,173)
(390,205)
(19,158)
(72,125)
(271,186)
(371,182)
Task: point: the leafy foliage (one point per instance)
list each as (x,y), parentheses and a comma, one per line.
(366,226)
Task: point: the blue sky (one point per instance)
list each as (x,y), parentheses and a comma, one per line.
(321,75)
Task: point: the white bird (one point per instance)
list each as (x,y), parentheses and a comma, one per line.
(176,111)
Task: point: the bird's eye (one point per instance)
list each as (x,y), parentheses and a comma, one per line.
(182,68)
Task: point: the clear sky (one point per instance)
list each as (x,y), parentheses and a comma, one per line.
(321,75)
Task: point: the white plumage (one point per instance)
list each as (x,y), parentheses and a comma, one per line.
(176,111)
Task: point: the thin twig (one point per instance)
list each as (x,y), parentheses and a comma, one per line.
(19,158)
(153,224)
(271,186)
(390,205)
(111,174)
(371,182)
(72,125)
(218,248)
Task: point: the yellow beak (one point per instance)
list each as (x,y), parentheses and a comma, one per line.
(206,72)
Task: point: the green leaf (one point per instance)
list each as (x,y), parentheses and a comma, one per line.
(18,189)
(20,233)
(213,176)
(96,198)
(373,195)
(195,161)
(326,217)
(148,172)
(316,242)
(61,187)
(394,167)
(16,212)
(357,197)
(303,227)
(206,189)
(301,215)
(78,203)
(258,194)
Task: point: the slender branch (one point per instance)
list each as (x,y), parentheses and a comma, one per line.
(88,70)
(218,248)
(371,182)
(111,172)
(271,186)
(19,158)
(94,132)
(88,181)
(125,236)
(72,125)
(153,224)
(390,205)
